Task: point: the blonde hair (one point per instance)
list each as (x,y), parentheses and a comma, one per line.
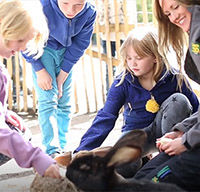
(189,2)
(144,42)
(18,17)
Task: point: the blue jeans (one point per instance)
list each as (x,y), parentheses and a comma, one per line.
(53,113)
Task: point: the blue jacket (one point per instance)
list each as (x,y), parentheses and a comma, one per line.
(72,34)
(133,97)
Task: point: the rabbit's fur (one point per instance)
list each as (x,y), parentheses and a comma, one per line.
(94,173)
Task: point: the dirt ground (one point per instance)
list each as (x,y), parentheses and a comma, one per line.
(13,178)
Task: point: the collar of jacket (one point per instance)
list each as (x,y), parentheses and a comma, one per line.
(164,75)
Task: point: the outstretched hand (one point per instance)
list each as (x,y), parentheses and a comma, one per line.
(52,171)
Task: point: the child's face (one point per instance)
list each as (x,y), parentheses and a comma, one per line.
(16,45)
(177,13)
(140,66)
(70,8)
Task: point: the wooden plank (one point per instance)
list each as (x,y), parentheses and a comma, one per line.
(108,46)
(93,76)
(115,62)
(145,12)
(10,87)
(24,85)
(34,100)
(99,54)
(85,88)
(75,98)
(17,81)
(111,27)
(117,32)
(126,25)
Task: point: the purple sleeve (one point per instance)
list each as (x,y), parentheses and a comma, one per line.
(26,156)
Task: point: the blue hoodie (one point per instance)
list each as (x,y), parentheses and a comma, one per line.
(133,97)
(73,34)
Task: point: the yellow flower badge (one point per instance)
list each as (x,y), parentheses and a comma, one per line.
(152,106)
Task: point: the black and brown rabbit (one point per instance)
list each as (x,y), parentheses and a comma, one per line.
(95,173)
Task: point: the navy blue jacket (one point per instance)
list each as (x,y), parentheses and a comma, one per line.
(72,34)
(133,97)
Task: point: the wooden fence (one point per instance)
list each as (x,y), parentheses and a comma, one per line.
(89,73)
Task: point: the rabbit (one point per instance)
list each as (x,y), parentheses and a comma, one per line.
(95,173)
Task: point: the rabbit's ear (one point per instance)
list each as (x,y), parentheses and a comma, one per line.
(128,148)
(124,155)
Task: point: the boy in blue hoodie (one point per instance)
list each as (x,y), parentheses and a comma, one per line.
(71,25)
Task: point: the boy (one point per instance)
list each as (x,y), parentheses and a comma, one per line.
(71,25)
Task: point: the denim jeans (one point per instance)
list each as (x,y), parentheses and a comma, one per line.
(53,113)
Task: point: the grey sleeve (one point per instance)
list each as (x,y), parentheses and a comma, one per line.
(191,128)
(187,123)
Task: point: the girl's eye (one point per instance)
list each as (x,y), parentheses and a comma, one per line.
(176,7)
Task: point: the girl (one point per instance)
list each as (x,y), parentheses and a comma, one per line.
(180,161)
(150,94)
(70,24)
(21,29)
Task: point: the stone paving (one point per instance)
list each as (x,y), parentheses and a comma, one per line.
(13,178)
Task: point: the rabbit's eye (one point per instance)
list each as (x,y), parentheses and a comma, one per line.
(84,166)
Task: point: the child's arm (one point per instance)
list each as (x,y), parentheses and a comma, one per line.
(26,156)
(79,44)
(44,80)
(60,80)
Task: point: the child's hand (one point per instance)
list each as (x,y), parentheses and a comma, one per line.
(15,120)
(60,81)
(52,171)
(44,80)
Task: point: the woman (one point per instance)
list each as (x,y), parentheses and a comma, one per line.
(179,162)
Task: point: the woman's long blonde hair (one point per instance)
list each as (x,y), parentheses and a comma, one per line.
(18,17)
(170,35)
(144,42)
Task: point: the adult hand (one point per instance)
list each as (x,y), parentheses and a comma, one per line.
(60,81)
(174,134)
(174,147)
(52,171)
(170,135)
(44,80)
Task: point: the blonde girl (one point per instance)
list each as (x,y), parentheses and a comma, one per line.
(148,93)
(21,30)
